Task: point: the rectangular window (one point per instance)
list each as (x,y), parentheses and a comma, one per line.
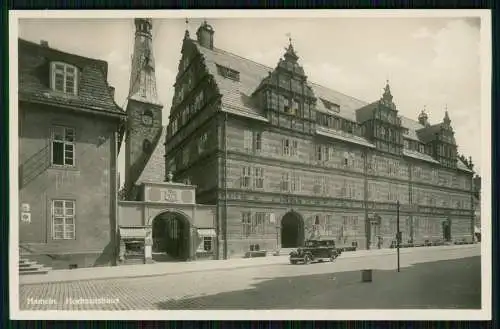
(64,78)
(246,176)
(285,182)
(296,107)
(63,219)
(286,105)
(296,183)
(257,141)
(202,143)
(294,149)
(322,152)
(207,243)
(247,140)
(286,147)
(318,180)
(259,178)
(260,223)
(246,223)
(63,146)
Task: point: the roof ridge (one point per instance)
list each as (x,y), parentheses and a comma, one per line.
(270,68)
(102,61)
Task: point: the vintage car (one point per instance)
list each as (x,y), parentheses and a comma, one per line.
(315,251)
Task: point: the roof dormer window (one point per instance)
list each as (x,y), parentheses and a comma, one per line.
(63,78)
(228,73)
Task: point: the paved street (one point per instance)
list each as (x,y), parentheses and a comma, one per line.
(439,278)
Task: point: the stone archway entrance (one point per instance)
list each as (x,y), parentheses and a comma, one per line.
(292,230)
(171,237)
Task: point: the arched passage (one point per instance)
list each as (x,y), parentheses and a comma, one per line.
(171,239)
(292,230)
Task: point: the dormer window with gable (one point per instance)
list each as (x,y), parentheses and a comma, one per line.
(64,78)
(228,73)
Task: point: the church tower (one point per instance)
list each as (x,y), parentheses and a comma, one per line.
(144,111)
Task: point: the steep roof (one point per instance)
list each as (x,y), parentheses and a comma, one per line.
(236,99)
(94,92)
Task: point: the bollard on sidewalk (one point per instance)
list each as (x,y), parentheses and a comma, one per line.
(366,275)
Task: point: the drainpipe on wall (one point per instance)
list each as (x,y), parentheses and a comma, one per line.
(116,237)
(367,226)
(410,201)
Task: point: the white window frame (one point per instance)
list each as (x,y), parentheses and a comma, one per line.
(258,177)
(67,144)
(259,223)
(63,70)
(285,182)
(66,228)
(296,185)
(246,177)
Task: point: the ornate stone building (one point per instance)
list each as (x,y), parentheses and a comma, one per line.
(283,159)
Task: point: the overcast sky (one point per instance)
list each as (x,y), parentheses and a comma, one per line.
(432,62)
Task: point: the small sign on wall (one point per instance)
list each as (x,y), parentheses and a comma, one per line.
(26,217)
(272,220)
(25,207)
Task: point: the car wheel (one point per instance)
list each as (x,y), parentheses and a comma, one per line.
(307,260)
(332,258)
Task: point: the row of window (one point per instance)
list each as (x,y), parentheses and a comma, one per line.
(253,223)
(440,200)
(185,114)
(333,122)
(200,147)
(288,105)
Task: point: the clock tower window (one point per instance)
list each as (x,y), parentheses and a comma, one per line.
(147,118)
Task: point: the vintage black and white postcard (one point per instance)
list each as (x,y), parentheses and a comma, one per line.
(320,164)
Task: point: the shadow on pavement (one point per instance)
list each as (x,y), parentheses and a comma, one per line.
(445,284)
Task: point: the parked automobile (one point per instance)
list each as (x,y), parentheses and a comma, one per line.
(315,251)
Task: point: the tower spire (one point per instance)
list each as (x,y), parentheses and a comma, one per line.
(142,77)
(186,33)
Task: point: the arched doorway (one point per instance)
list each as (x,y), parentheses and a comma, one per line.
(292,230)
(446,229)
(171,237)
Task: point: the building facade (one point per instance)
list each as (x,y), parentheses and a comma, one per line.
(70,130)
(283,159)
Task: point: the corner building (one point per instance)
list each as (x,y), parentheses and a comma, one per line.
(284,159)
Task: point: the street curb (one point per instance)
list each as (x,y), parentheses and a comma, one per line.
(385,252)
